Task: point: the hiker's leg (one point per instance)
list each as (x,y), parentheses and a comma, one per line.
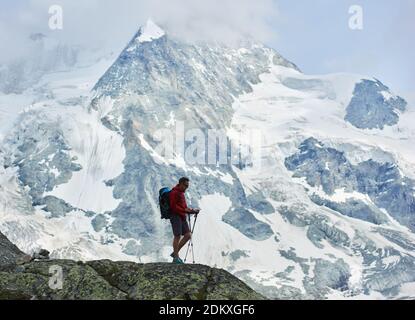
(176,224)
(176,246)
(185,230)
(184,240)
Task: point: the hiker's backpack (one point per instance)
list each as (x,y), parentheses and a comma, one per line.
(164,202)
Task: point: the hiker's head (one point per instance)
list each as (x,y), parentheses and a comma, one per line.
(184,183)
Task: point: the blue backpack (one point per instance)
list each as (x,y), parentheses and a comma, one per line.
(164,203)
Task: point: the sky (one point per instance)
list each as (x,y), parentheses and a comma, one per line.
(315,35)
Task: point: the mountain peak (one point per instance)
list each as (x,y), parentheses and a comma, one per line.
(150,31)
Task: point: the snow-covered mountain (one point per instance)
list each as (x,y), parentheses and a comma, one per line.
(328,212)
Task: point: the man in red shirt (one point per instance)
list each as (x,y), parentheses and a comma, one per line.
(179,212)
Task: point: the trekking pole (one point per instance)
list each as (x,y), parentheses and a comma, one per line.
(191,240)
(193,252)
(188,246)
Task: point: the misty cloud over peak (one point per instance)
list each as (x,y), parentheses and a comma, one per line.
(110,24)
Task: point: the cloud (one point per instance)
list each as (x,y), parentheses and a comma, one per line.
(218,20)
(409,96)
(99,24)
(384,49)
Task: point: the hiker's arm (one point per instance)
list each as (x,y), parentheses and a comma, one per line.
(194,211)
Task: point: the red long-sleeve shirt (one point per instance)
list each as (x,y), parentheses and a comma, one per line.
(178,203)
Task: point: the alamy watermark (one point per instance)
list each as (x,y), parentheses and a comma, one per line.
(211,147)
(56,17)
(56,278)
(356,18)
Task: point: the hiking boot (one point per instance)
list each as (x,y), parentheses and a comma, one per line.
(177,261)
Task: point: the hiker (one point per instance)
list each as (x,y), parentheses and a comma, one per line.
(179,212)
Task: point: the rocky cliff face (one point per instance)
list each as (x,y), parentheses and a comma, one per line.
(9,253)
(373,106)
(382,183)
(107,279)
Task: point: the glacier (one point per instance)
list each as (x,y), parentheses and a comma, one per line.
(328,215)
